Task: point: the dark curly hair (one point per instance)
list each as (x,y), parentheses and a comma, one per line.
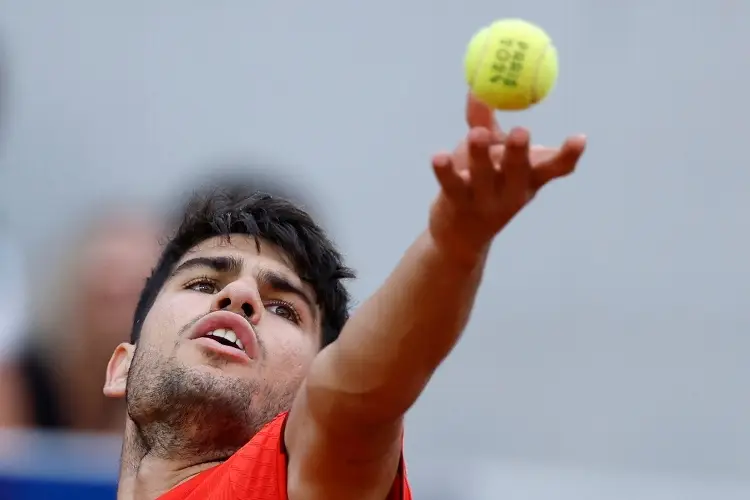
(269,218)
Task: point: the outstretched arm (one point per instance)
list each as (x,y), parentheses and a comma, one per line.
(344,432)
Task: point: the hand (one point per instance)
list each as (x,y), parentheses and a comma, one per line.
(490,177)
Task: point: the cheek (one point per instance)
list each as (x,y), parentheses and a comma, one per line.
(289,350)
(170,313)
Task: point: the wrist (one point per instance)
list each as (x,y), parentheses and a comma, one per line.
(458,237)
(458,247)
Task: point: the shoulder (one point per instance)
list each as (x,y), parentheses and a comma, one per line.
(256,472)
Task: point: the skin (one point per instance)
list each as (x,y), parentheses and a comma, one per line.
(345,427)
(12,411)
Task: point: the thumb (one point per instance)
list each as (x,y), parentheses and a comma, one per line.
(478,114)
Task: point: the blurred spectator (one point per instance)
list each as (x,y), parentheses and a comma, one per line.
(80,320)
(12,327)
(12,301)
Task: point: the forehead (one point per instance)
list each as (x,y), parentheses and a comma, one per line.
(252,254)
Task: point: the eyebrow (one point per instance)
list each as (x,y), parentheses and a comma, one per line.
(230,265)
(266,278)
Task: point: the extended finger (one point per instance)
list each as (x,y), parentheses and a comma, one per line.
(541,154)
(480,164)
(515,167)
(562,164)
(449,179)
(479,114)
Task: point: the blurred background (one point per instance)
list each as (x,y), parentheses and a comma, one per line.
(608,357)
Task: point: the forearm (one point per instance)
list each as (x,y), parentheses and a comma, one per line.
(394,342)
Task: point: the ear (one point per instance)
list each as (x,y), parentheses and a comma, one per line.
(117,371)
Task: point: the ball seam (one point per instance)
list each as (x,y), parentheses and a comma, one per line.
(534,97)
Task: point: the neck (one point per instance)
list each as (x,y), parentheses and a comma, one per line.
(145,475)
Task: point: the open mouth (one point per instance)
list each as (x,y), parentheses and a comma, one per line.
(226,337)
(227,333)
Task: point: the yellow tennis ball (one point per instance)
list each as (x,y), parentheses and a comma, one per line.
(511,64)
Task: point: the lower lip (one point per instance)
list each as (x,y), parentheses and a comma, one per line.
(224,350)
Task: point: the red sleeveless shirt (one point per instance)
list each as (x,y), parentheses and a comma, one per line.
(258,472)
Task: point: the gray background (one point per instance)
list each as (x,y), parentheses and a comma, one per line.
(611,331)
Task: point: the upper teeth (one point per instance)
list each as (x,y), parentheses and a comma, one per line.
(227,334)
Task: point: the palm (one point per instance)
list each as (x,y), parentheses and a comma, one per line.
(491,176)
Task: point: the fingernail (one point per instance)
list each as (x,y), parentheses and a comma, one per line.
(441,161)
(518,135)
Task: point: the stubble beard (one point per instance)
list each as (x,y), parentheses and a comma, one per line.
(180,413)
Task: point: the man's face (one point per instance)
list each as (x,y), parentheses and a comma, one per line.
(114,266)
(189,376)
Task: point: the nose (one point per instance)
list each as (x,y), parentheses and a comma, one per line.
(240,297)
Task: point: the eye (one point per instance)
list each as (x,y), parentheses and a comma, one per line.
(283,310)
(202,285)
